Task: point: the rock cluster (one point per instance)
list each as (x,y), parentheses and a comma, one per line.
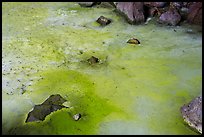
(170,13)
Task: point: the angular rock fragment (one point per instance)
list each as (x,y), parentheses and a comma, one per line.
(133,11)
(93,60)
(192,113)
(39,112)
(88,4)
(103,21)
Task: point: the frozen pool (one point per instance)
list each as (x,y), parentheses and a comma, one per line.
(133,90)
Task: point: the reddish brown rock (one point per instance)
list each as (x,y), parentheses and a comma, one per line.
(195,13)
(171,17)
(133,11)
(155,4)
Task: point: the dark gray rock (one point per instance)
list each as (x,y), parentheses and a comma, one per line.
(184,12)
(39,112)
(93,60)
(88,4)
(54,100)
(171,17)
(133,11)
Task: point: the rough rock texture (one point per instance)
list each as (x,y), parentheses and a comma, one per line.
(93,60)
(133,11)
(88,4)
(195,13)
(170,13)
(171,17)
(177,4)
(103,21)
(39,112)
(133,41)
(184,12)
(108,5)
(192,113)
(155,4)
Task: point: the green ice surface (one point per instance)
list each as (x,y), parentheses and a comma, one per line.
(134,89)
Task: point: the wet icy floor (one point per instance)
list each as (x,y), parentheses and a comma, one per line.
(133,90)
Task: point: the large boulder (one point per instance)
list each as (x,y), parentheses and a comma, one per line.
(195,13)
(133,11)
(170,17)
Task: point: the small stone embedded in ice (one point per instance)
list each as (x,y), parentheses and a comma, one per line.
(103,21)
(93,60)
(76,117)
(133,41)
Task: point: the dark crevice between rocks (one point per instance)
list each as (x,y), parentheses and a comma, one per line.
(146,12)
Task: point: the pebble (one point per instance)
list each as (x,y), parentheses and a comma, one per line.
(76,117)
(103,21)
(133,41)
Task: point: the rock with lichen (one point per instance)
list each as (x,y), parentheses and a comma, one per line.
(192,113)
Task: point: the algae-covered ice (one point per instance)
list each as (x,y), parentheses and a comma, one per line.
(134,89)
